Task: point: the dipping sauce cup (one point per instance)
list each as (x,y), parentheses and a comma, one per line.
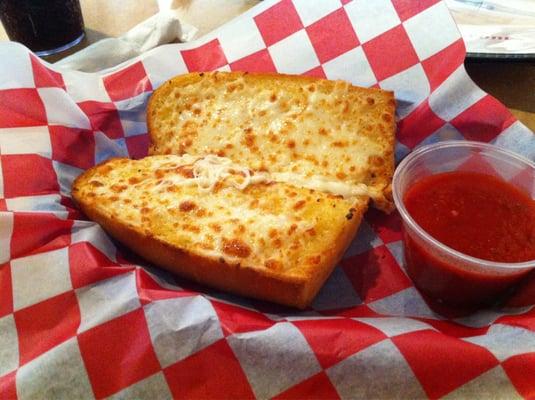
(439,271)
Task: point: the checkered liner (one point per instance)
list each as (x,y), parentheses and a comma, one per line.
(82,318)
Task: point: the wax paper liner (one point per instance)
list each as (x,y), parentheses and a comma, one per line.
(81,317)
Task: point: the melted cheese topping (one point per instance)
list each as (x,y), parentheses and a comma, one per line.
(213,207)
(210,170)
(323,184)
(281,125)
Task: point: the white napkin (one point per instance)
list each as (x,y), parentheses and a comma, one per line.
(161,28)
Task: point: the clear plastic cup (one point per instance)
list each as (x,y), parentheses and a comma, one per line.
(437,270)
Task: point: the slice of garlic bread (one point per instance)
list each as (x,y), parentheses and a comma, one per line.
(280,123)
(223,225)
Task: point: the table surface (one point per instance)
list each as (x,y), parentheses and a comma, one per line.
(513,83)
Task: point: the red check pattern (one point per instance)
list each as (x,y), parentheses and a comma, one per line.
(116,326)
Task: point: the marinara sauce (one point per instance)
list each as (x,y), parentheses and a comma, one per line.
(478,215)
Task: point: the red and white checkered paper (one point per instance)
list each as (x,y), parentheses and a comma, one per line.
(82,318)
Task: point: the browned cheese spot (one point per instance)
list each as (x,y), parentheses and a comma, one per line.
(312,159)
(273,264)
(377,161)
(341,175)
(386,117)
(292,229)
(133,180)
(300,204)
(339,143)
(314,260)
(187,206)
(96,184)
(207,246)
(249,137)
(370,101)
(231,87)
(291,144)
(185,170)
(191,228)
(118,188)
(236,248)
(215,227)
(105,169)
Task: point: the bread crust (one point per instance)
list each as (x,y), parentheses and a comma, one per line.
(261,284)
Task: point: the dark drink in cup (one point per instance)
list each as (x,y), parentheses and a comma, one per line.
(44,26)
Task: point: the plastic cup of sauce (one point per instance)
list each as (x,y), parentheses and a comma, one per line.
(468,213)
